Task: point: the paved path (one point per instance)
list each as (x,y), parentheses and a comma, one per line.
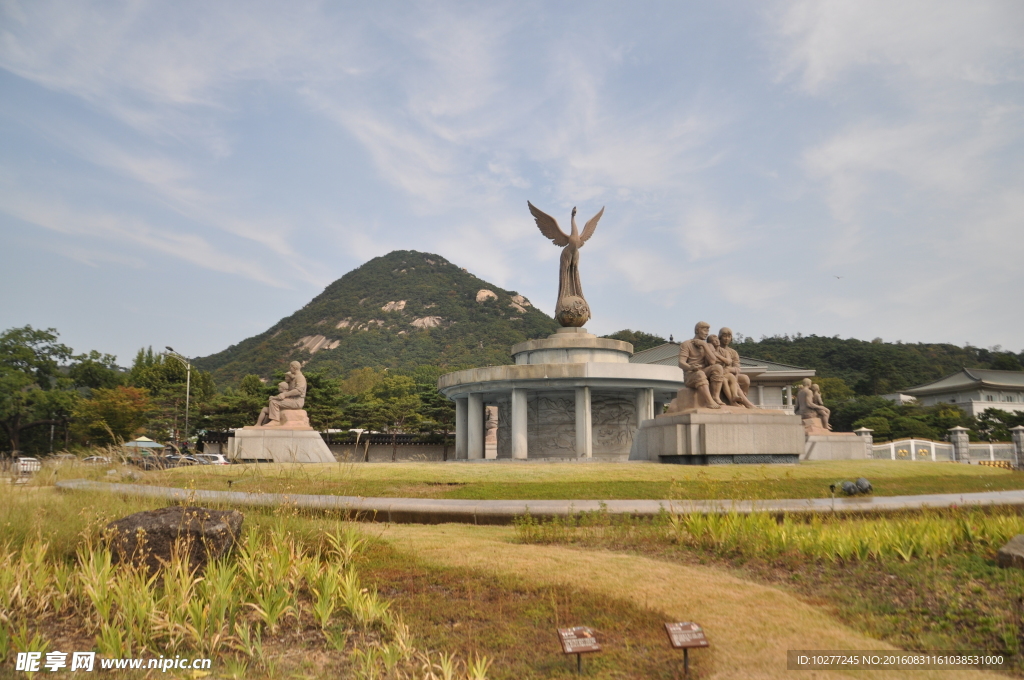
(440,510)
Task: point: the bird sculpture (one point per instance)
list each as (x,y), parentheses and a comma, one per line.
(572,309)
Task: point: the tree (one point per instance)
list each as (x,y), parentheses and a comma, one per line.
(166,382)
(395,404)
(32,390)
(437,410)
(638,339)
(94,370)
(112,415)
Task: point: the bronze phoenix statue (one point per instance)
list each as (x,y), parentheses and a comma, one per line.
(572,309)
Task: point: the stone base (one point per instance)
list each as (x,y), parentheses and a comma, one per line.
(290,418)
(834,446)
(749,459)
(813,426)
(709,437)
(279,445)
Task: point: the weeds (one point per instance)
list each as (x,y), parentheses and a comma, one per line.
(927,535)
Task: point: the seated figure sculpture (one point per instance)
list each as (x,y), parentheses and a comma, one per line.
(292,398)
(735,385)
(702,371)
(808,409)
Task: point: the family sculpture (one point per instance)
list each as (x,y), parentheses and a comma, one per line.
(571,309)
(810,405)
(291,396)
(711,368)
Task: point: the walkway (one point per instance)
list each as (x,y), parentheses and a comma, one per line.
(440,510)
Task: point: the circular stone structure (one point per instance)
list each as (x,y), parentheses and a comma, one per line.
(571,395)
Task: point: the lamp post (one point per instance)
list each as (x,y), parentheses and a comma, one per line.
(188,382)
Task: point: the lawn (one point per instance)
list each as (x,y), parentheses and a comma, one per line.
(601,481)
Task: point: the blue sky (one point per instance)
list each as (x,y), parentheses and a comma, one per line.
(188,173)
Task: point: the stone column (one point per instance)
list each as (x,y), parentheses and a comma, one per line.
(644,405)
(789,395)
(1017,434)
(461,433)
(475,427)
(519,421)
(584,425)
(961,443)
(760,395)
(865,434)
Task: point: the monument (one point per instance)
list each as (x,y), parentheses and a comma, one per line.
(711,420)
(571,395)
(821,442)
(571,309)
(282,433)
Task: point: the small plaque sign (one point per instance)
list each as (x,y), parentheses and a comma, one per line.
(685,635)
(578,640)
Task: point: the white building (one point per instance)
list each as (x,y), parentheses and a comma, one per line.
(770,383)
(973,390)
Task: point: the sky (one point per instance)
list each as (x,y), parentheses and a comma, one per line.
(189,173)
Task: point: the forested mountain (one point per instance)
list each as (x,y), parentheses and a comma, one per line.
(399,311)
(877,367)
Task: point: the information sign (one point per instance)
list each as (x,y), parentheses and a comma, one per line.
(578,640)
(686,635)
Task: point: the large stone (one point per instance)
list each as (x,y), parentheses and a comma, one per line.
(150,537)
(1012,554)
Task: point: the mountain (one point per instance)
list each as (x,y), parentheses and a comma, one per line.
(397,311)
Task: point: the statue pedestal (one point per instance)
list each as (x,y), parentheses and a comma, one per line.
(293,441)
(720,436)
(834,446)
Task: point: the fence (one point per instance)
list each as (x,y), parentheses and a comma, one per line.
(927,450)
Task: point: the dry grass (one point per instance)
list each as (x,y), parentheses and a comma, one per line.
(750,625)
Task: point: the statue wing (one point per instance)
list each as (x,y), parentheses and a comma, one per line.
(591,226)
(548,226)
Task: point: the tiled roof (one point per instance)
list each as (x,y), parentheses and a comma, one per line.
(971,377)
(668,355)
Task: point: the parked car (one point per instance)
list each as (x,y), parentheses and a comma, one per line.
(149,462)
(96,460)
(27,465)
(212,459)
(179,461)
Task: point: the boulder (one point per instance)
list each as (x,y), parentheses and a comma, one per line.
(150,537)
(864,486)
(849,488)
(1012,554)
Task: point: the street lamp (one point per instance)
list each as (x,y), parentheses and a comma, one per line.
(188,382)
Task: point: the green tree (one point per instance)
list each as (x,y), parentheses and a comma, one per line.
(436,410)
(394,405)
(95,370)
(112,415)
(32,390)
(638,339)
(166,381)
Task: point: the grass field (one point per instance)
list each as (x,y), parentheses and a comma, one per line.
(461,593)
(602,481)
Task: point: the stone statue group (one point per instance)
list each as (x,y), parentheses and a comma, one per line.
(711,369)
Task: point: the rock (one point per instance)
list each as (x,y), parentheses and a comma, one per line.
(864,486)
(149,537)
(1012,554)
(849,488)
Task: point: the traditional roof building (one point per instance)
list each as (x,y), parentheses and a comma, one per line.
(973,390)
(770,382)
